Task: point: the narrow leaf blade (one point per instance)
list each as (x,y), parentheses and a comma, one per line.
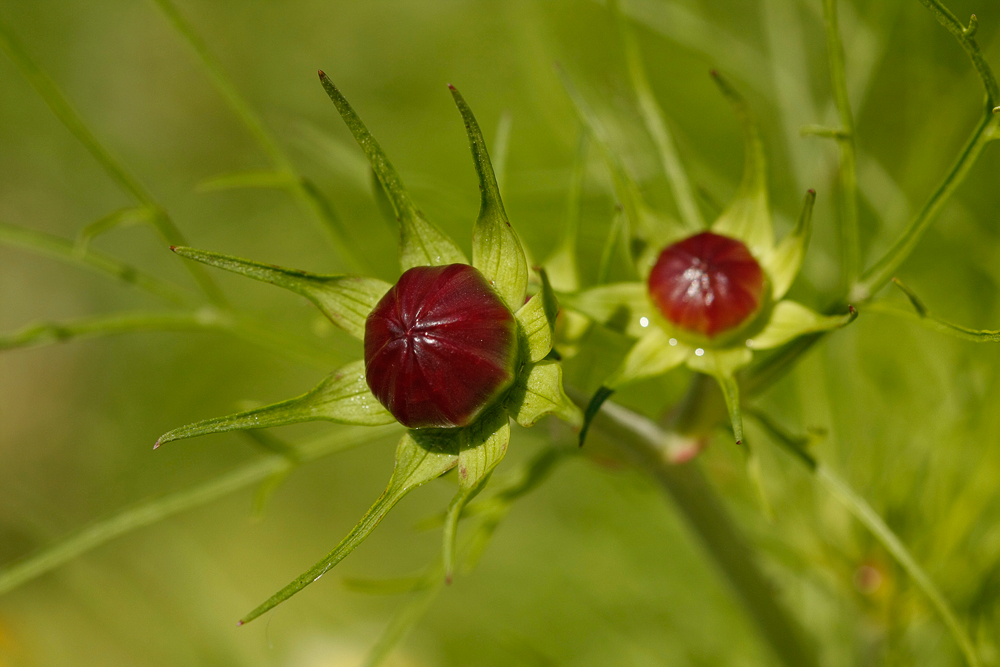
(496,250)
(346,300)
(421,242)
(418,461)
(748,217)
(343,398)
(722,365)
(783,264)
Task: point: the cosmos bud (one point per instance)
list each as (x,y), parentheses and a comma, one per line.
(707,284)
(440,347)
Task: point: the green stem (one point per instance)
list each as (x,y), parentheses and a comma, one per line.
(68,116)
(304,191)
(850,246)
(686,485)
(157,509)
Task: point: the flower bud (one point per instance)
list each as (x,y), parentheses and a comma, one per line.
(707,284)
(440,347)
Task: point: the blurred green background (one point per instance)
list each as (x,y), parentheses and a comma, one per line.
(595,568)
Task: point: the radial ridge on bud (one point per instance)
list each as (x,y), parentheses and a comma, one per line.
(440,347)
(707,284)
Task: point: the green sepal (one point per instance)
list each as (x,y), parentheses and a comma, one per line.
(496,250)
(421,243)
(783,264)
(537,322)
(748,216)
(621,307)
(482,445)
(538,391)
(346,300)
(343,397)
(653,354)
(593,407)
(722,365)
(789,320)
(420,458)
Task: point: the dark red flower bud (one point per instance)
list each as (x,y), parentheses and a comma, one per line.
(440,346)
(707,284)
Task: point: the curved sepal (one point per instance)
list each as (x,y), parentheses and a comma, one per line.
(420,458)
(539,391)
(482,445)
(748,216)
(421,242)
(789,320)
(783,264)
(722,365)
(537,322)
(496,250)
(343,397)
(346,300)
(653,354)
(621,307)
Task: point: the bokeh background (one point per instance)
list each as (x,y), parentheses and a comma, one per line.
(595,567)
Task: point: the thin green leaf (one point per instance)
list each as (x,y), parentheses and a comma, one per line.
(656,124)
(421,242)
(538,391)
(617,239)
(748,216)
(789,320)
(653,354)
(501,148)
(621,307)
(496,250)
(151,511)
(722,365)
(420,458)
(64,250)
(44,333)
(483,446)
(923,317)
(593,407)
(783,263)
(67,115)
(562,264)
(125,217)
(346,300)
(266,179)
(343,398)
(537,322)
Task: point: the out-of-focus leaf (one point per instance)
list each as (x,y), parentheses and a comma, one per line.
(653,354)
(346,300)
(64,250)
(483,446)
(537,322)
(656,124)
(539,391)
(343,398)
(421,242)
(420,458)
(562,265)
(621,307)
(789,320)
(748,216)
(923,317)
(109,325)
(266,179)
(784,262)
(722,365)
(125,217)
(496,250)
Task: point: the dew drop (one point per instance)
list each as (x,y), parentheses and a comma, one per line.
(699,352)
(644,321)
(673,341)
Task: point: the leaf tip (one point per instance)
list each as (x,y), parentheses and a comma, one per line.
(240,623)
(156,445)
(322,75)
(739,441)
(811,192)
(714,74)
(452,88)
(448,578)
